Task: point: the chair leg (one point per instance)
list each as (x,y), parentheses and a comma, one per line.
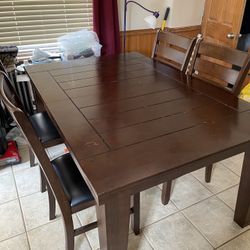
(208,173)
(32,158)
(136,215)
(43,181)
(52,204)
(69,232)
(166,192)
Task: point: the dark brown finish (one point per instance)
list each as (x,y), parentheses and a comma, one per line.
(172,49)
(132,135)
(32,158)
(142,41)
(43,183)
(208,173)
(135,220)
(166,192)
(242,210)
(55,186)
(213,63)
(189,31)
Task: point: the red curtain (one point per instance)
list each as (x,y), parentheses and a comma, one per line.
(106,25)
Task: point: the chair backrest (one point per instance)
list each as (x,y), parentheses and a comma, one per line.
(221,66)
(28,131)
(9,90)
(172,49)
(2,68)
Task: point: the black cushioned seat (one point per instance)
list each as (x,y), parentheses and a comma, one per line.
(73,184)
(45,129)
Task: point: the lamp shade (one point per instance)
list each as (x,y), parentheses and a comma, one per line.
(151,21)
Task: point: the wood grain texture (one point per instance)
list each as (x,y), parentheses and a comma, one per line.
(137,131)
(221,18)
(142,41)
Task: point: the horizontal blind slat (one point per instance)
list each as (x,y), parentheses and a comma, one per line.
(35,22)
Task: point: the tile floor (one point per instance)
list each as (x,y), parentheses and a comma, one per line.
(199,215)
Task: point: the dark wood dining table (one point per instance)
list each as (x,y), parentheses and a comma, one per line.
(131,124)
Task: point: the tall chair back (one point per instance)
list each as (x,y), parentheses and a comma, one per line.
(172,49)
(224,67)
(28,131)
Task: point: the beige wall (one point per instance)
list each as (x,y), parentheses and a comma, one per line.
(183,13)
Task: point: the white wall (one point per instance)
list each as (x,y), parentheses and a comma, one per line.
(182,13)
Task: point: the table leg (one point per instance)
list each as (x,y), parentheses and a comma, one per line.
(242,210)
(113,222)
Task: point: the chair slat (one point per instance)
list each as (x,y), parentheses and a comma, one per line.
(216,71)
(170,54)
(235,57)
(174,39)
(172,49)
(215,65)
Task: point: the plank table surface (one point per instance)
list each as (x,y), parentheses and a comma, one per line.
(131,124)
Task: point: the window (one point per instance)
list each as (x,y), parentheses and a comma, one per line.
(38,23)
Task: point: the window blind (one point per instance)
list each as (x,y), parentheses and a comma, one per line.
(38,23)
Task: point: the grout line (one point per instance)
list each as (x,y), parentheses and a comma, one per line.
(230,169)
(148,240)
(11,237)
(203,184)
(180,210)
(21,210)
(232,238)
(198,230)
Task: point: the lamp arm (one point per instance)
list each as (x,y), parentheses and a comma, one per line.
(127,2)
(155,13)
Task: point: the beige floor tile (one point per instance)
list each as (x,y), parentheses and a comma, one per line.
(187,190)
(16,243)
(152,209)
(51,237)
(5,170)
(87,216)
(138,242)
(222,178)
(229,196)
(28,181)
(35,209)
(11,222)
(56,151)
(175,233)
(134,242)
(214,219)
(93,239)
(7,188)
(242,242)
(234,163)
(237,158)
(25,160)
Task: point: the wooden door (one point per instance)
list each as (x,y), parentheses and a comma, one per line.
(222,21)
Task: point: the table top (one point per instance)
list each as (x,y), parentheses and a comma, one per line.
(130,123)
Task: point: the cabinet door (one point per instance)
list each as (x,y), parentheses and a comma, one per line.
(222,21)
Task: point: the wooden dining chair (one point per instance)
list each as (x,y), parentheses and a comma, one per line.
(175,51)
(41,122)
(65,182)
(221,66)
(172,49)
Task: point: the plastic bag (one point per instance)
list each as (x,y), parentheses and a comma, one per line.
(16,135)
(80,44)
(40,56)
(245,93)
